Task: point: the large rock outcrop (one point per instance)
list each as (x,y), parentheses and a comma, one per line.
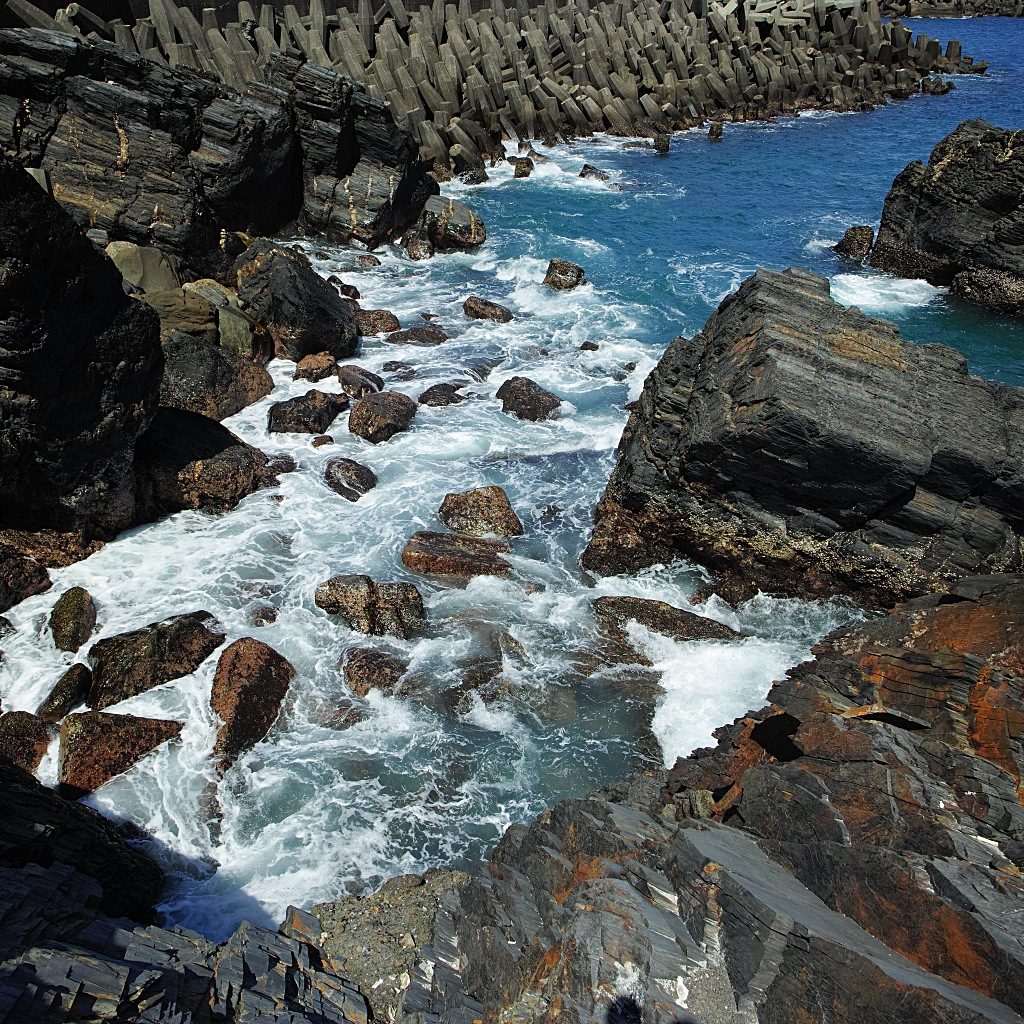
(81,367)
(799,447)
(851,852)
(959,221)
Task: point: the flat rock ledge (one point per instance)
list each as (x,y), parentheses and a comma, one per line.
(799,447)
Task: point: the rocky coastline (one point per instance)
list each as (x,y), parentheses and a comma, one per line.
(850,852)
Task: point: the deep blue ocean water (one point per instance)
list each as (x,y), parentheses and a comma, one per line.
(314,811)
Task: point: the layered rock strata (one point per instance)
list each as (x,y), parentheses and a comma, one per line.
(796,446)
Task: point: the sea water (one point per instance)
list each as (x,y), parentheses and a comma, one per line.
(313,812)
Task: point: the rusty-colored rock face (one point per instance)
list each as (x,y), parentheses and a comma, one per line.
(95,746)
(24,739)
(377,609)
(251,681)
(480,511)
(367,669)
(452,554)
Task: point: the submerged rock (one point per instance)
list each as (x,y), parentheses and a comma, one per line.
(73,619)
(95,746)
(358,383)
(302,312)
(563,275)
(958,221)
(452,554)
(731,458)
(856,242)
(209,379)
(615,612)
(311,413)
(69,691)
(315,367)
(132,663)
(250,683)
(21,576)
(480,511)
(442,394)
(379,417)
(24,738)
(377,609)
(418,336)
(367,669)
(482,309)
(526,399)
(349,478)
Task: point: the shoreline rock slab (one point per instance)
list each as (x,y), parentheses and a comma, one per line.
(378,417)
(439,395)
(958,220)
(418,336)
(315,367)
(132,663)
(251,681)
(96,746)
(454,554)
(377,609)
(799,447)
(615,612)
(21,576)
(480,511)
(856,242)
(72,619)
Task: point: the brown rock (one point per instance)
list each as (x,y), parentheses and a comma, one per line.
(251,682)
(51,548)
(24,739)
(376,321)
(73,619)
(184,312)
(659,617)
(856,243)
(315,367)
(132,663)
(69,691)
(311,413)
(482,309)
(358,383)
(442,394)
(367,669)
(349,478)
(379,417)
(20,576)
(523,167)
(452,554)
(96,746)
(563,276)
(480,511)
(321,440)
(367,261)
(526,399)
(377,609)
(418,336)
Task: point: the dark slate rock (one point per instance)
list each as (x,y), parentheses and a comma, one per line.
(418,336)
(442,394)
(349,478)
(482,309)
(480,511)
(311,413)
(526,399)
(379,417)
(24,739)
(73,619)
(357,382)
(367,669)
(856,242)
(315,367)
(21,576)
(563,275)
(69,691)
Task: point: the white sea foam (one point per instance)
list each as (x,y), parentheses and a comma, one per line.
(879,293)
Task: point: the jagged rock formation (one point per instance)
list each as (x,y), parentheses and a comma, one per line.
(959,220)
(81,364)
(852,852)
(954,9)
(800,447)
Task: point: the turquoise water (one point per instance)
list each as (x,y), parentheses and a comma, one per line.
(313,811)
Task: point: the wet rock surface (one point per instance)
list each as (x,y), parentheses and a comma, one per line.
(210,379)
(68,692)
(367,669)
(418,336)
(376,321)
(358,383)
(96,745)
(349,478)
(563,275)
(483,309)
(73,619)
(615,612)
(380,416)
(439,395)
(447,225)
(526,399)
(453,554)
(856,242)
(302,312)
(21,576)
(311,413)
(958,220)
(131,663)
(873,507)
(480,511)
(315,367)
(23,739)
(377,609)
(250,683)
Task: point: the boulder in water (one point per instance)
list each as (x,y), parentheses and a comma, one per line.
(447,225)
(376,321)
(302,312)
(379,417)
(21,576)
(73,619)
(563,275)
(367,669)
(132,663)
(453,554)
(377,609)
(589,171)
(856,242)
(315,367)
(418,336)
(523,167)
(95,746)
(311,413)
(24,738)
(69,691)
(209,379)
(733,460)
(614,612)
(442,394)
(349,478)
(358,383)
(480,511)
(526,399)
(482,309)
(250,683)
(958,220)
